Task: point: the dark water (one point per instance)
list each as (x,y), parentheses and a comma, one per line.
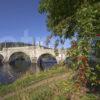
(9,73)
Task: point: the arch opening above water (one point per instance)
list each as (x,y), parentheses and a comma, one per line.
(46,61)
(20,61)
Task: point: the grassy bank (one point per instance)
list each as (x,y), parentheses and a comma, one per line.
(57,90)
(29,79)
(62,88)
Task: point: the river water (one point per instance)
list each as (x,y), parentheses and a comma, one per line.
(9,73)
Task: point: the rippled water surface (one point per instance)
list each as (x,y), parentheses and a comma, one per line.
(9,74)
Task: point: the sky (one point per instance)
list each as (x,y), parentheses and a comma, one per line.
(21,21)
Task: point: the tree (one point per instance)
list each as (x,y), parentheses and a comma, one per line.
(65,17)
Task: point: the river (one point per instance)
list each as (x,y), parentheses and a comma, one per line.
(9,73)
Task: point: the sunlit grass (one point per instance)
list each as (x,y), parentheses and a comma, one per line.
(49,91)
(29,79)
(57,90)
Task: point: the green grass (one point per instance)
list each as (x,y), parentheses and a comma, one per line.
(30,79)
(90,96)
(50,91)
(58,90)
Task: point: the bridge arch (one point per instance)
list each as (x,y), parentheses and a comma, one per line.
(19,60)
(46,61)
(1,59)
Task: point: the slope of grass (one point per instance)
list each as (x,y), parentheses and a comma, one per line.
(57,90)
(62,89)
(29,79)
(46,91)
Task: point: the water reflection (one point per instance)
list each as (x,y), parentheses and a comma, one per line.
(10,72)
(46,64)
(46,61)
(20,65)
(7,74)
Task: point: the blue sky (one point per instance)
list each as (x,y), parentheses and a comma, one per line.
(20,21)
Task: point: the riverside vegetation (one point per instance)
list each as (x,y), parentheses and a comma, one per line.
(55,84)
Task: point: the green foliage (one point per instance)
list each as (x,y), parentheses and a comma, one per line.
(64,18)
(89,97)
(93,75)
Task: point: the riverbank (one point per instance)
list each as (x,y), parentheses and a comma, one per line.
(54,84)
(30,78)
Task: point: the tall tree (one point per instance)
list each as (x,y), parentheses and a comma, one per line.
(65,17)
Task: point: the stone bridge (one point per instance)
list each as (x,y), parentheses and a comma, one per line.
(33,52)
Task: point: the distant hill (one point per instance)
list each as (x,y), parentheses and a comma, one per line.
(13,44)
